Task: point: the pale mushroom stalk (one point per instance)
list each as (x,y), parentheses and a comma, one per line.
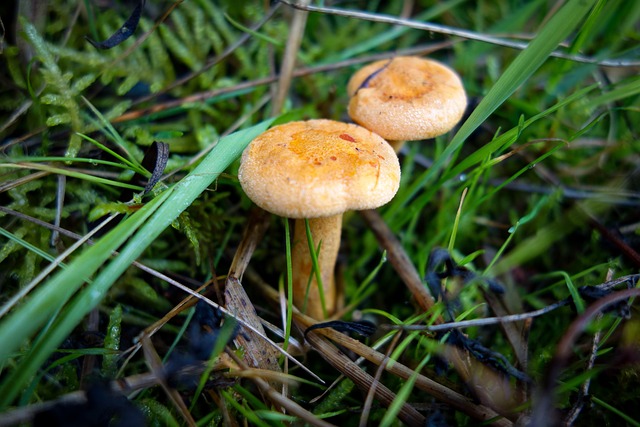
(396,145)
(318,169)
(406,98)
(307,293)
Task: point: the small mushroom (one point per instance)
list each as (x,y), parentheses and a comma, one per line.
(318,169)
(406,98)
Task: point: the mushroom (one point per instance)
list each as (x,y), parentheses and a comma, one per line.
(317,170)
(406,98)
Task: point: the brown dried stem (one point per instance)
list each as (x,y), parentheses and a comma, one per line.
(257,353)
(437,390)
(280,400)
(399,259)
(349,368)
(364,381)
(296,32)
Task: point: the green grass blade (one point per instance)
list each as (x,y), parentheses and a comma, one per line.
(103,123)
(623,90)
(19,326)
(147,224)
(313,251)
(47,159)
(12,237)
(620,413)
(512,231)
(51,296)
(403,395)
(559,27)
(289,278)
(481,155)
(132,165)
(70,173)
(255,34)
(573,290)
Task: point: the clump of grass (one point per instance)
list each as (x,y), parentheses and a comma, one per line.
(536,191)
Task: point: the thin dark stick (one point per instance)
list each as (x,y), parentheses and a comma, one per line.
(584,389)
(480,322)
(368,402)
(450,31)
(626,250)
(203,96)
(543,413)
(213,61)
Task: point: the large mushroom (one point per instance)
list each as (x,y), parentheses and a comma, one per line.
(406,98)
(317,170)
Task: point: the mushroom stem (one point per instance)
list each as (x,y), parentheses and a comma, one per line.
(326,234)
(396,145)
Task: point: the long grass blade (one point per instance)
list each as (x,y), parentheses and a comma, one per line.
(147,224)
(559,27)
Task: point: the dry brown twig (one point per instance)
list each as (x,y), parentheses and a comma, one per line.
(296,33)
(366,408)
(280,400)
(460,359)
(399,260)
(442,393)
(299,72)
(257,353)
(353,371)
(155,364)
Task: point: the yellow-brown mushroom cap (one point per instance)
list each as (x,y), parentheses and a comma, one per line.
(406,98)
(318,168)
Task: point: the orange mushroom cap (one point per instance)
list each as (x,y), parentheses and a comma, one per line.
(318,168)
(406,98)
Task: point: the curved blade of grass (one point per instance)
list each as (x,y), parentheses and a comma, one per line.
(55,263)
(545,237)
(313,251)
(512,231)
(147,224)
(623,90)
(47,159)
(135,166)
(255,34)
(28,246)
(620,413)
(70,173)
(364,289)
(289,316)
(102,123)
(17,328)
(559,27)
